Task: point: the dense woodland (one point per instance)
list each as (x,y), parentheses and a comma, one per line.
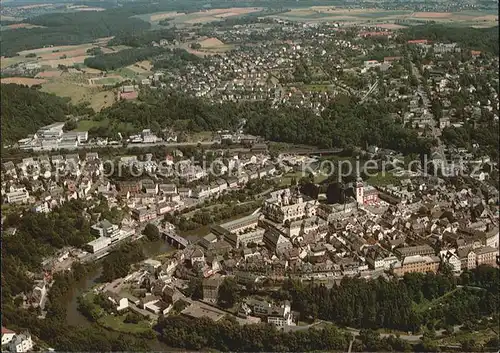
(70,28)
(163,58)
(143,38)
(117,264)
(25,109)
(395,304)
(39,235)
(344,123)
(54,330)
(113,61)
(409,304)
(484,39)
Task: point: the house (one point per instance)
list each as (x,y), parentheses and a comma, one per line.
(19,196)
(21,343)
(211,289)
(7,335)
(143,214)
(120,301)
(486,256)
(185,192)
(280,316)
(453,261)
(416,263)
(98,244)
(105,229)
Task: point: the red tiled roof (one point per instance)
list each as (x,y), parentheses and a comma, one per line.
(418,41)
(6,330)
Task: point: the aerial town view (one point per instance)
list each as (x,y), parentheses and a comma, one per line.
(250,176)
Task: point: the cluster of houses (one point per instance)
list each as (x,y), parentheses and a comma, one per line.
(16,342)
(403,229)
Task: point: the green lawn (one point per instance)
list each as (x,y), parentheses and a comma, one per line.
(318,88)
(116,323)
(382,180)
(86,125)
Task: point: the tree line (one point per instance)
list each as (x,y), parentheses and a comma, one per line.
(24,110)
(54,330)
(113,61)
(394,304)
(344,123)
(38,236)
(484,39)
(70,28)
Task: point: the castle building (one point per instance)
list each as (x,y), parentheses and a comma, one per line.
(286,205)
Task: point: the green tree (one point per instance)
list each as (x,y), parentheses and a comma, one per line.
(151,232)
(228,294)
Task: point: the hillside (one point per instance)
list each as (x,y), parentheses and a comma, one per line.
(24,110)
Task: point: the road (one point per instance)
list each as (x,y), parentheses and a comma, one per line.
(355,332)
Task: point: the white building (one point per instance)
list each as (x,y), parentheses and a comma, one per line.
(21,343)
(7,335)
(105,229)
(18,196)
(98,244)
(280,316)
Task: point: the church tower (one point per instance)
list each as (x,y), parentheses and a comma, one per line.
(359,191)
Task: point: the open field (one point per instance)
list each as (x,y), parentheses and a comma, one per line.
(204,16)
(86,125)
(141,67)
(117,323)
(23,80)
(386,18)
(211,43)
(164,15)
(49,74)
(22,25)
(79,93)
(108,80)
(66,62)
(5,62)
(59,50)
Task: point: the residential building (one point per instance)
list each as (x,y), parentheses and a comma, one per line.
(7,336)
(416,263)
(105,229)
(486,256)
(18,196)
(211,289)
(21,343)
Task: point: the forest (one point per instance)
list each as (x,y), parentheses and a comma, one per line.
(39,235)
(395,304)
(368,305)
(24,110)
(113,61)
(484,39)
(54,330)
(344,123)
(70,28)
(117,264)
(143,38)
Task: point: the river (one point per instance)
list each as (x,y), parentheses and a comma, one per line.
(75,318)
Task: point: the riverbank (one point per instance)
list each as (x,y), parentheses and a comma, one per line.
(75,318)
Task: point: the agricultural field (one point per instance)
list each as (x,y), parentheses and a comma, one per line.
(21,25)
(142,67)
(67,55)
(387,18)
(65,86)
(179,18)
(23,81)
